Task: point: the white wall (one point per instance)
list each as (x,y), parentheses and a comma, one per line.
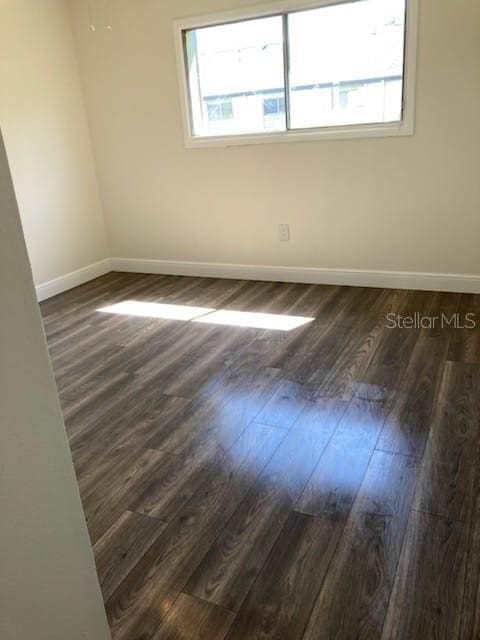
(48,584)
(407,204)
(43,119)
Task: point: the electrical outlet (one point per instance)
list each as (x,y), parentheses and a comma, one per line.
(284,232)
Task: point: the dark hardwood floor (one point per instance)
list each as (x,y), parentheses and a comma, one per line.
(245,483)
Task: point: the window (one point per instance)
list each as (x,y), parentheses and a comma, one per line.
(233,63)
(350,94)
(356,50)
(344,69)
(273,106)
(219,109)
(274,112)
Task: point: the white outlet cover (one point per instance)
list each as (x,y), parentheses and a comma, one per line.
(284,232)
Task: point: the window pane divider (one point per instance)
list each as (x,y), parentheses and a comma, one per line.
(286,70)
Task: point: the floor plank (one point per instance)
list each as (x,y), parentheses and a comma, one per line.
(193,619)
(285,405)
(470,618)
(144,598)
(407,427)
(228,570)
(122,546)
(449,467)
(106,503)
(353,600)
(427,598)
(279,603)
(333,486)
(389,484)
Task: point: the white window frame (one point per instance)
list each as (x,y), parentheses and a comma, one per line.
(406,127)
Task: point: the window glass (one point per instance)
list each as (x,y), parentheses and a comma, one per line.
(232,69)
(346,64)
(219,109)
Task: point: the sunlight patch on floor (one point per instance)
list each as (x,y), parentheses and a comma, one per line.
(274,321)
(155,310)
(250,319)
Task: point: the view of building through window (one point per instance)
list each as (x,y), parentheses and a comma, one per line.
(241,62)
(345,66)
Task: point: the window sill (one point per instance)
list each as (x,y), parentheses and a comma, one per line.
(388,130)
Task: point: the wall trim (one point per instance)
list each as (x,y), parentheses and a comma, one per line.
(73,279)
(463,283)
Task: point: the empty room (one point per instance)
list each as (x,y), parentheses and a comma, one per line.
(240,320)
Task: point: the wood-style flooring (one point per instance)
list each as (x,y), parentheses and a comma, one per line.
(246,483)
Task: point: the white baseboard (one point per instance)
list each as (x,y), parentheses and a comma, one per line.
(73,279)
(463,283)
(349,277)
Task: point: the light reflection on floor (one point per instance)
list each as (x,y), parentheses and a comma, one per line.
(273,321)
(234,410)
